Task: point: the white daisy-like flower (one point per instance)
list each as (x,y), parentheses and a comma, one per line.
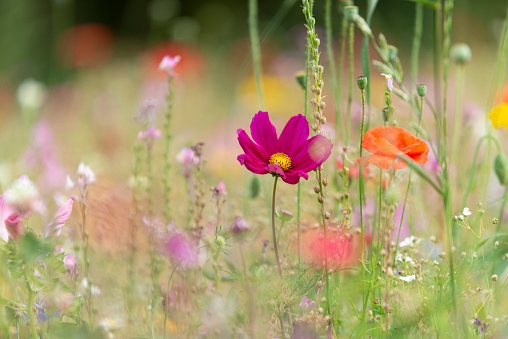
(409,278)
(85,175)
(411,240)
(406,259)
(466,212)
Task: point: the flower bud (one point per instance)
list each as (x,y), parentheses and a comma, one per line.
(421,90)
(393,52)
(461,53)
(350,12)
(494,277)
(501,168)
(387,114)
(240,226)
(362,82)
(300,79)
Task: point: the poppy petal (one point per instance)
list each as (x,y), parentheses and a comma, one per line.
(264,133)
(294,134)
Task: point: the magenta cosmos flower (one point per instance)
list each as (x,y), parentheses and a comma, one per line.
(291,156)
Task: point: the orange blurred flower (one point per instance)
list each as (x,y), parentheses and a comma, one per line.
(386,143)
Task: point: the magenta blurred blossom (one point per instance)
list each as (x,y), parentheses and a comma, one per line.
(240,226)
(187,156)
(306,303)
(54,227)
(168,64)
(181,250)
(291,156)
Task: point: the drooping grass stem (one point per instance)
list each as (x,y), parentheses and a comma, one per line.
(256,55)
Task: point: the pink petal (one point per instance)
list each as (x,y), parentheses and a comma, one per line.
(293,177)
(295,133)
(252,164)
(54,227)
(14,225)
(5,212)
(250,148)
(264,133)
(313,153)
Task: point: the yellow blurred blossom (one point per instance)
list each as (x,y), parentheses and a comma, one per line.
(499,116)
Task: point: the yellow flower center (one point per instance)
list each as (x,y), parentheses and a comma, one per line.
(282,160)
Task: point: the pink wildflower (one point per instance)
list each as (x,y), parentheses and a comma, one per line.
(181,250)
(306,303)
(149,135)
(69,261)
(240,226)
(14,225)
(168,63)
(389,80)
(291,155)
(23,197)
(54,227)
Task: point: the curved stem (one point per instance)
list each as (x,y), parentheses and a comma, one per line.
(254,40)
(31,315)
(167,296)
(273,227)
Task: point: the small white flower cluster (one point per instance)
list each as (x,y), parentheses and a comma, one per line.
(85,177)
(461,217)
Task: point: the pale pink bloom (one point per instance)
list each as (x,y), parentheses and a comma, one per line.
(5,212)
(54,227)
(59,249)
(69,261)
(168,63)
(146,112)
(14,226)
(389,80)
(221,188)
(240,226)
(149,135)
(187,156)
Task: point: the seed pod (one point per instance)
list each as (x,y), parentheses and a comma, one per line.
(362,82)
(501,168)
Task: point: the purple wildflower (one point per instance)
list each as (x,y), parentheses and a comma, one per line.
(291,156)
(306,303)
(149,135)
(240,226)
(181,249)
(389,80)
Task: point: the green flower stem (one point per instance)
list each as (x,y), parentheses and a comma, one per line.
(457,119)
(438,38)
(325,239)
(273,227)
(472,170)
(407,190)
(360,187)
(167,162)
(30,305)
(351,70)
(167,296)
(333,75)
(417,39)
(149,165)
(254,40)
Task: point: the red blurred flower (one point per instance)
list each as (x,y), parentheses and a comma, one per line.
(86,45)
(191,61)
(342,249)
(386,143)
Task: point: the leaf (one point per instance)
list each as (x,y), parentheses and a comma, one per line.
(382,67)
(31,247)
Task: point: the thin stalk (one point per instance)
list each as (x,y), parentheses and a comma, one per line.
(167,297)
(331,65)
(149,165)
(360,187)
(167,134)
(417,39)
(325,239)
(273,227)
(30,311)
(407,190)
(472,171)
(254,41)
(351,70)
(338,116)
(458,114)
(499,222)
(438,37)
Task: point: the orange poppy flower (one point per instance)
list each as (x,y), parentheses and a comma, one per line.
(386,143)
